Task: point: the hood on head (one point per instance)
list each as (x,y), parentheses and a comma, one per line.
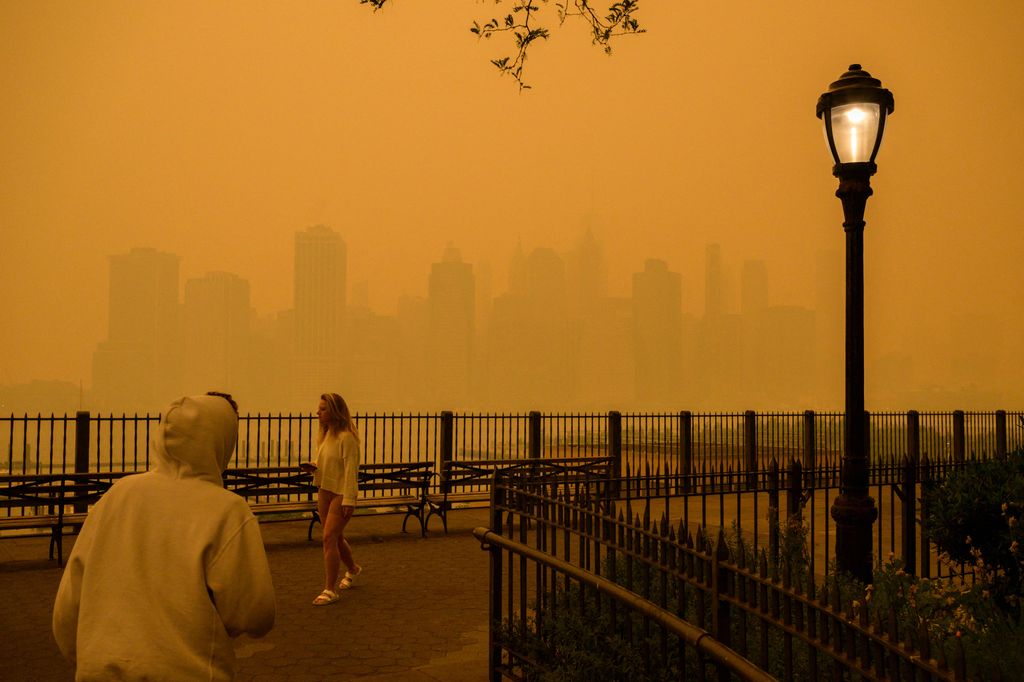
(195,438)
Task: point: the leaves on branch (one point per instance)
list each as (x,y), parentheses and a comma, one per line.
(617,20)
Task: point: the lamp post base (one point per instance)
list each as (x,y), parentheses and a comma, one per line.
(854,516)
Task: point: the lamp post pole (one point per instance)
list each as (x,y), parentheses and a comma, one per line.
(854,111)
(854,510)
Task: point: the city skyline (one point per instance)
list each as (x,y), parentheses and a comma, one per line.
(451,346)
(216,131)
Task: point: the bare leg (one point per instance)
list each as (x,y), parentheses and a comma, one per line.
(332,525)
(345,553)
(336,548)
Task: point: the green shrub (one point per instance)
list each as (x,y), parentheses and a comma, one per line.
(973,517)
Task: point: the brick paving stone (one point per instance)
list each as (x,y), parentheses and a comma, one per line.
(420,601)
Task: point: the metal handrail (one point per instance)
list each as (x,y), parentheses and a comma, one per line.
(698,638)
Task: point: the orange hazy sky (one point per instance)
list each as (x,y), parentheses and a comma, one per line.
(215,130)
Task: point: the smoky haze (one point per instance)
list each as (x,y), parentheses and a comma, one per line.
(286,199)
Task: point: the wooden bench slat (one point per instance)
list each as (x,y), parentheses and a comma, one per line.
(407,483)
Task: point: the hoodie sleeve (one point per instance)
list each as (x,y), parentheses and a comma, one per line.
(350,457)
(69,594)
(240,584)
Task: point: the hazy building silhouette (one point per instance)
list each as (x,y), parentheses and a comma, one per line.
(657,335)
(270,382)
(43,397)
(587,278)
(372,374)
(217,338)
(719,356)
(714,282)
(139,363)
(451,299)
(602,357)
(600,330)
(528,340)
(320,286)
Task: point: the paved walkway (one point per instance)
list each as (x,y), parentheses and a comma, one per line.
(418,614)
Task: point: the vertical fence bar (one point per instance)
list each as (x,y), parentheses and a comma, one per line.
(909,514)
(82,421)
(447,447)
(1001,434)
(810,443)
(750,446)
(536,442)
(81,450)
(909,488)
(794,492)
(615,441)
(493,641)
(959,437)
(686,447)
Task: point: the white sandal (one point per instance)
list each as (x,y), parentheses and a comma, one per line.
(326,597)
(350,577)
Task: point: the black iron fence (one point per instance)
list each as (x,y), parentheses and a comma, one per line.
(572,566)
(644,444)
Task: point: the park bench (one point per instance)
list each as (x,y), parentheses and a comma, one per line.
(286,491)
(41,501)
(468,481)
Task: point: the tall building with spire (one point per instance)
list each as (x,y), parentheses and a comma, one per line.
(451,299)
(320,288)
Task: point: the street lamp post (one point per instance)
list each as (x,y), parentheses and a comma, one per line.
(853,112)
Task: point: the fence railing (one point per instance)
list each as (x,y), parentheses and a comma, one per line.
(783,619)
(681,442)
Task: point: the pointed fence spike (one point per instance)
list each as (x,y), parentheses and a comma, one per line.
(722,547)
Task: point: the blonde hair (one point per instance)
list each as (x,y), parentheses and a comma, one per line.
(339,418)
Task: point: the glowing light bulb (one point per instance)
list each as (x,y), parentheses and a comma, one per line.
(856,116)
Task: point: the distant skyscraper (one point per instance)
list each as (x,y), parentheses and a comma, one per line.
(452,301)
(588,277)
(217,338)
(657,334)
(138,367)
(719,339)
(320,285)
(714,282)
(527,341)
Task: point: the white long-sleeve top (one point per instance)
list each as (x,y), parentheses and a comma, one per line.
(169,566)
(337,466)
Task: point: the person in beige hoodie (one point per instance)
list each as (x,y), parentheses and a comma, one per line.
(169,566)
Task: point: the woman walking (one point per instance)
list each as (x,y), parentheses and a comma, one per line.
(336,476)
